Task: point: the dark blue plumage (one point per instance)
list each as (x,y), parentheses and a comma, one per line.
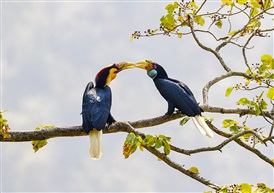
(96,107)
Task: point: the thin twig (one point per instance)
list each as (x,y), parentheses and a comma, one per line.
(218,56)
(217,147)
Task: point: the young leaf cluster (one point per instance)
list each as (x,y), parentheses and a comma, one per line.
(235,128)
(4,127)
(245,188)
(181,15)
(259,77)
(36,145)
(133,141)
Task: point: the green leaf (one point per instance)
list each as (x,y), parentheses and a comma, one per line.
(253,23)
(180,18)
(167,138)
(194,170)
(199,20)
(262,188)
(232,33)
(227,2)
(166,147)
(267,4)
(184,121)
(246,188)
(270,93)
(267,59)
(255,4)
(272,63)
(36,145)
(228,91)
(4,127)
(271,76)
(179,35)
(130,145)
(158,143)
(241,2)
(168,21)
(228,122)
(149,140)
(253,12)
(130,138)
(260,96)
(193,4)
(243,101)
(262,68)
(234,129)
(219,23)
(154,31)
(170,8)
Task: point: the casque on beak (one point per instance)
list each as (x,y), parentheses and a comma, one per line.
(145,64)
(125,65)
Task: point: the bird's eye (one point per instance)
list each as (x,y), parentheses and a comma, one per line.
(152,73)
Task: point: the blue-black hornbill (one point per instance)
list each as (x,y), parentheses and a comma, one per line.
(96,106)
(177,95)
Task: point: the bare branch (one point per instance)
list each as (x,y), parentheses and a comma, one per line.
(201,7)
(219,78)
(244,49)
(217,147)
(218,56)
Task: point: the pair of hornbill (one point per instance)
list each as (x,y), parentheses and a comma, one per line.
(97,101)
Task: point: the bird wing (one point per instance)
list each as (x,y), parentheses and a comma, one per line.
(186,89)
(179,95)
(96,108)
(182,85)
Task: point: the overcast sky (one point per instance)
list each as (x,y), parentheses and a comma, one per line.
(51,50)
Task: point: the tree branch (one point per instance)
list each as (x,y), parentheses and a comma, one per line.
(219,78)
(72,131)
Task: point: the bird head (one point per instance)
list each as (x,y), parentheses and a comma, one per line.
(153,69)
(108,73)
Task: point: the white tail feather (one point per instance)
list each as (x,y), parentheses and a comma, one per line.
(197,125)
(203,124)
(95,147)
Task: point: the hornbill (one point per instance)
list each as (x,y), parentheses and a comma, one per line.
(177,95)
(96,106)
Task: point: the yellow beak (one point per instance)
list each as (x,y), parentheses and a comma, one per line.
(125,65)
(145,64)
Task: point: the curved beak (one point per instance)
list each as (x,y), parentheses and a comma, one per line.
(125,65)
(145,64)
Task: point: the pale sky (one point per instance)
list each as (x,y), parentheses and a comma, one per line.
(51,50)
